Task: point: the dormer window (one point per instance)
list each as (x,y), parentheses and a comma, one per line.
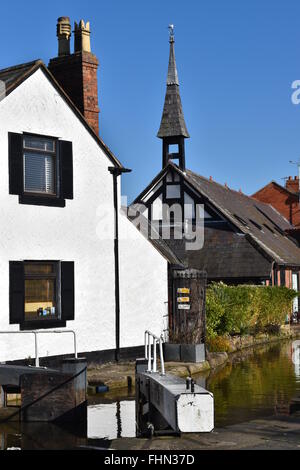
(40,169)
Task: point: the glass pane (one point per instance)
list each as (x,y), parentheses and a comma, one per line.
(35,268)
(173,191)
(189,207)
(157,208)
(169,177)
(39,173)
(40,299)
(39,143)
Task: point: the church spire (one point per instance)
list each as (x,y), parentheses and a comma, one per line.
(172,78)
(172,129)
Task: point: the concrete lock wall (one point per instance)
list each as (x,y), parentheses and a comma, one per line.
(81,232)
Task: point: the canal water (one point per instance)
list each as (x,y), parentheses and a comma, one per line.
(256,382)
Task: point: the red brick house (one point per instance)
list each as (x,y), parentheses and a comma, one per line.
(284,199)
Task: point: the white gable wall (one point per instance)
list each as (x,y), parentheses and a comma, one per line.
(143,286)
(70,233)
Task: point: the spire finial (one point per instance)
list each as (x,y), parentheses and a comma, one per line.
(171,32)
(172,121)
(172,78)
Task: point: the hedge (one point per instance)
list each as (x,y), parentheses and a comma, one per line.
(246,309)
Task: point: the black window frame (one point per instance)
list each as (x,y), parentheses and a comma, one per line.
(40,198)
(54,275)
(54,154)
(64,293)
(63,173)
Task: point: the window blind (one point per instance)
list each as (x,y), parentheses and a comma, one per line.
(39,173)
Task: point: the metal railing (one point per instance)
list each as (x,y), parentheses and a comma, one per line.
(36,333)
(152,362)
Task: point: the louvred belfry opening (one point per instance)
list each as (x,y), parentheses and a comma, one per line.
(172,128)
(77,72)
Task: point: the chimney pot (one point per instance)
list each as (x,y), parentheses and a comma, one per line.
(292,184)
(63,32)
(77,73)
(82,33)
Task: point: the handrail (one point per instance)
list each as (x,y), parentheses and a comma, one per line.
(152,366)
(35,333)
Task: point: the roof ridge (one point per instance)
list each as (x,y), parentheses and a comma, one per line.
(257,201)
(277,184)
(227,188)
(31,67)
(20,66)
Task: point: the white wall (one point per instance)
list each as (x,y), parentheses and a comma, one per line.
(72,233)
(143,286)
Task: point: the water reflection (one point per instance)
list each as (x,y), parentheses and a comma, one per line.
(255,383)
(112,420)
(106,421)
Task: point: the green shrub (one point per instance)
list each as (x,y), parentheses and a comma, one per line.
(219,344)
(246,309)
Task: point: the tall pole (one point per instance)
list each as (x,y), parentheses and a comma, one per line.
(115,171)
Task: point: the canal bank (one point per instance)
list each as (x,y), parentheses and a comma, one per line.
(256,395)
(272,433)
(118,376)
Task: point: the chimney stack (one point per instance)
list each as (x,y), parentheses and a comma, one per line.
(292,184)
(77,72)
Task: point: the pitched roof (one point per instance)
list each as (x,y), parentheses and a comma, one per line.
(278,186)
(262,225)
(12,77)
(172,121)
(260,222)
(156,240)
(225,255)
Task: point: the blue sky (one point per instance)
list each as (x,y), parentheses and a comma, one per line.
(236,61)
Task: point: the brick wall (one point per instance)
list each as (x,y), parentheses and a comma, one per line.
(77,75)
(285,202)
(292,184)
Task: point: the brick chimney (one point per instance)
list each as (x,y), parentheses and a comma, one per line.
(77,72)
(292,184)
